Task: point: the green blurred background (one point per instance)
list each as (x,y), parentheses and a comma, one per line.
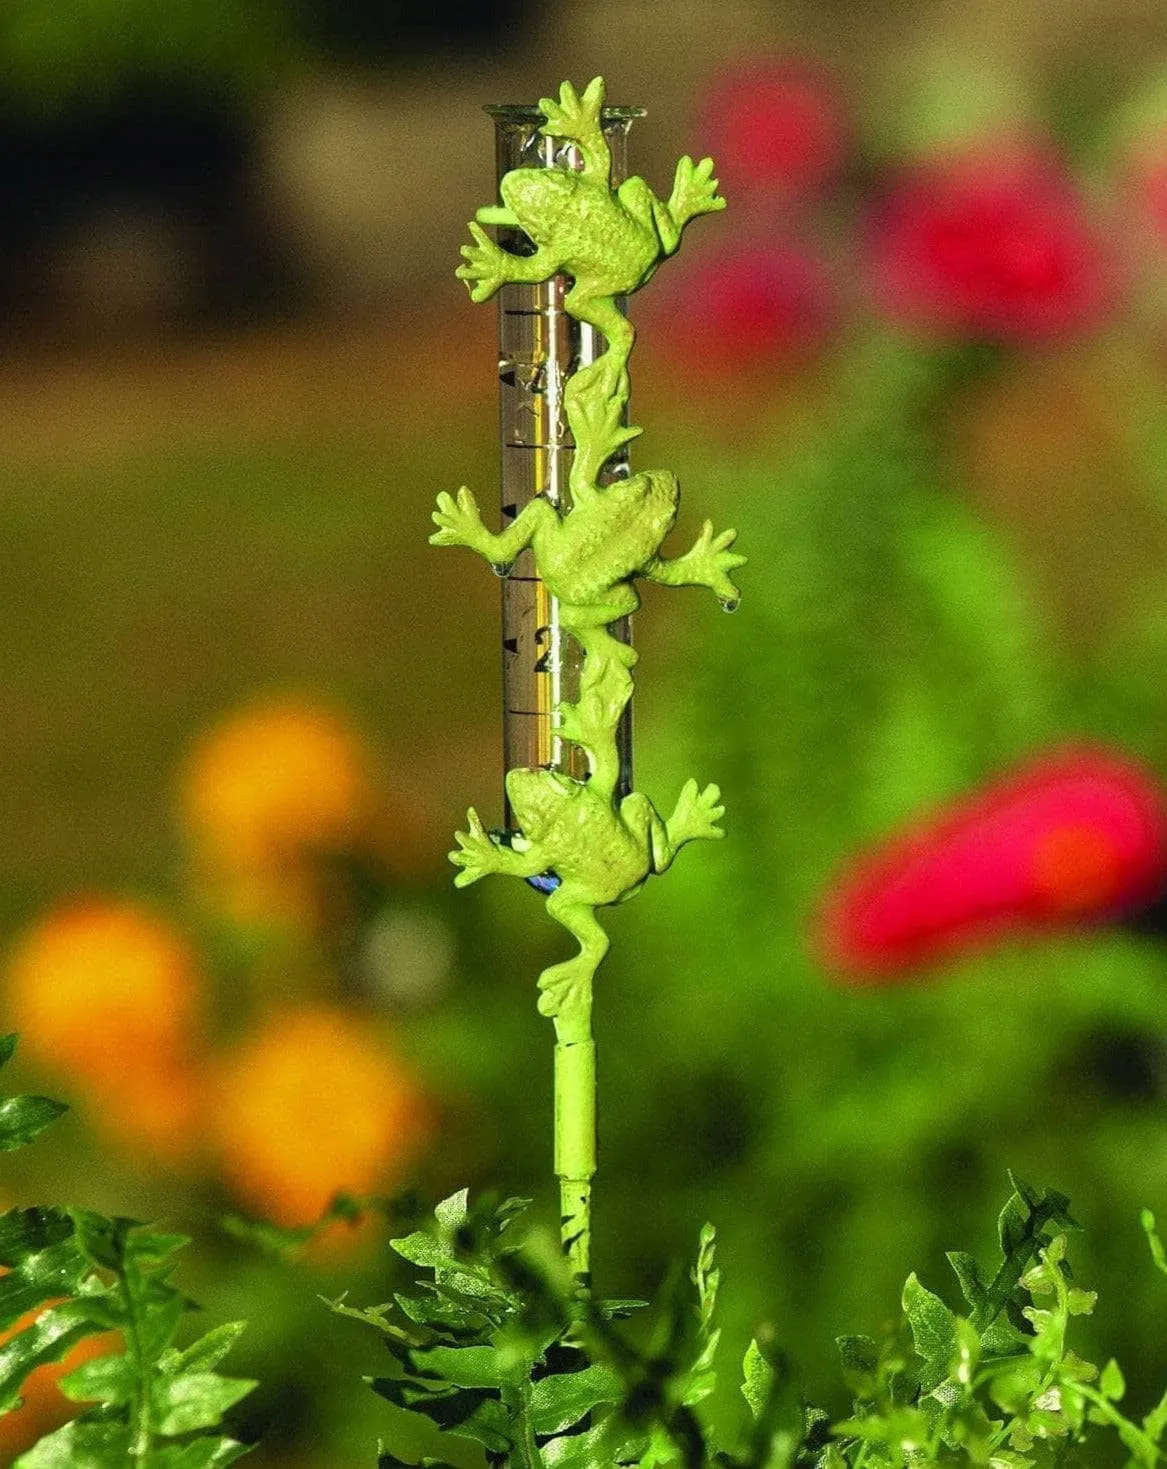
(236,370)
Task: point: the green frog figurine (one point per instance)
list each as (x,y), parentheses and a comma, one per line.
(601,854)
(610,241)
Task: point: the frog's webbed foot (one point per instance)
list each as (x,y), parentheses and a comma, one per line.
(459,522)
(694,192)
(478,855)
(695,817)
(487,266)
(707,563)
(565,989)
(577,118)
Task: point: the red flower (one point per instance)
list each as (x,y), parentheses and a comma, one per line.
(775,125)
(992,245)
(748,307)
(1075,835)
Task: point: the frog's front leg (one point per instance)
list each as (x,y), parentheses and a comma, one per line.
(497,214)
(565,989)
(707,563)
(488,266)
(459,523)
(694,193)
(694,818)
(478,855)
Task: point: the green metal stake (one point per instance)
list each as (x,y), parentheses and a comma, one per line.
(582,841)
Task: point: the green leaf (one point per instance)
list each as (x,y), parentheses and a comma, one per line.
(1158,1254)
(205,1353)
(452,1213)
(47,1339)
(423,1249)
(413,1437)
(206,1453)
(104,1380)
(28,1231)
(933,1331)
(972,1282)
(859,1359)
(757,1378)
(464,1366)
(706,1277)
(1112,1384)
(82,1444)
(23,1118)
(561,1401)
(1155,1422)
(196,1400)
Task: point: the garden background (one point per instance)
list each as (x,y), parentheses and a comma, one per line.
(245,704)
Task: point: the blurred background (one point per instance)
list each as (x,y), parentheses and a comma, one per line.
(920,363)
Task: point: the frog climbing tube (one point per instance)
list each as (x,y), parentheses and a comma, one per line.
(574,830)
(539,346)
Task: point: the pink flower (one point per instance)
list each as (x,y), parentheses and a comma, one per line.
(1077,834)
(990,244)
(748,307)
(775,125)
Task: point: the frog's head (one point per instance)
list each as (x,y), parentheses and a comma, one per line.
(536,796)
(538,198)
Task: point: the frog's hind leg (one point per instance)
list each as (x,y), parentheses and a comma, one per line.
(593,721)
(603,313)
(596,401)
(565,990)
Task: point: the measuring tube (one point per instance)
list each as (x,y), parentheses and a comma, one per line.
(540,346)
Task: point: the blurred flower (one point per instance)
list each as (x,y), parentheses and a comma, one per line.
(773,125)
(313,1105)
(990,243)
(106,995)
(45,1407)
(1075,835)
(748,307)
(264,796)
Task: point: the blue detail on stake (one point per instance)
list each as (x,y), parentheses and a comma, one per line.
(545,882)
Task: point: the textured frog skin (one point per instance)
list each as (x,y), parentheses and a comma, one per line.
(601,852)
(610,241)
(577,840)
(590,557)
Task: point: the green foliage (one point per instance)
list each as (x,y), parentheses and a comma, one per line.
(498,1359)
(78,1274)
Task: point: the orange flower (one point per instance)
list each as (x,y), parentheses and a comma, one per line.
(262,795)
(313,1105)
(103,987)
(106,993)
(153,1114)
(45,1407)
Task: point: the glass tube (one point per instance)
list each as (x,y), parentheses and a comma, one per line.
(540,346)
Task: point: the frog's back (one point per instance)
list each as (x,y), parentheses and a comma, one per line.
(611,536)
(542,200)
(614,251)
(609,860)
